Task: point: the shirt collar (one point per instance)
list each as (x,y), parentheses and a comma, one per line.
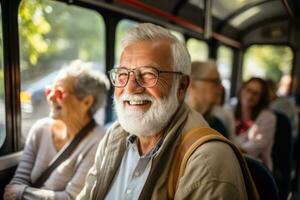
(132,142)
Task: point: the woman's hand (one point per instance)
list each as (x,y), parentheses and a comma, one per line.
(12,192)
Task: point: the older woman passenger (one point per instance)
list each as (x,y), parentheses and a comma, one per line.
(76,95)
(254,123)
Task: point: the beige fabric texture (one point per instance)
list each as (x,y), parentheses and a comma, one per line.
(212,172)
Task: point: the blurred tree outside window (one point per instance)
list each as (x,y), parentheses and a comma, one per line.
(270,61)
(2,92)
(224,62)
(267,61)
(52,35)
(198,49)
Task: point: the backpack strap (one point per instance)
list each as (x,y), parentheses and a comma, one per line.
(189,143)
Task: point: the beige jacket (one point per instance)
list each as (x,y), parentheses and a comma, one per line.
(212,172)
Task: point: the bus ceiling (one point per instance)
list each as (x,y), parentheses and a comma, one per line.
(229,20)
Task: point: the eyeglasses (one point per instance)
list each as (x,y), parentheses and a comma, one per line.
(59,92)
(216,81)
(145,76)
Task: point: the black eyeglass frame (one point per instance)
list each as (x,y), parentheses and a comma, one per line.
(136,76)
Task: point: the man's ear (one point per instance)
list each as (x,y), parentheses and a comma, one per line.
(182,88)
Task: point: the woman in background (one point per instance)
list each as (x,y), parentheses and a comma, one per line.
(78,92)
(254,123)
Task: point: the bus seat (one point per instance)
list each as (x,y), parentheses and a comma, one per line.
(282,154)
(296,162)
(263,179)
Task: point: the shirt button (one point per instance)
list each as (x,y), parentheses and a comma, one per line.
(128,191)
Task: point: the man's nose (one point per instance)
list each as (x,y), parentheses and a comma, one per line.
(132,86)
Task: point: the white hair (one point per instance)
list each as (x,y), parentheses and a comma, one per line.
(148,31)
(87,82)
(202,69)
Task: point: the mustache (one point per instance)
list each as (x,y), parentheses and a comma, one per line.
(134,97)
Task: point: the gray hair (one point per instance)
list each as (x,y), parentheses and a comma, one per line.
(87,82)
(203,69)
(148,31)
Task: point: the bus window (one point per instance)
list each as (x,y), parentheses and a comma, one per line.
(2,102)
(122,28)
(267,61)
(198,49)
(224,61)
(52,35)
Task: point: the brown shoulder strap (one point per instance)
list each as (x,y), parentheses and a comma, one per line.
(189,143)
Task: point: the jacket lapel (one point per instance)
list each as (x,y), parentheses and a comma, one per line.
(162,161)
(111,161)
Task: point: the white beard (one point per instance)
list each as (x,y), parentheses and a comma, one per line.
(150,122)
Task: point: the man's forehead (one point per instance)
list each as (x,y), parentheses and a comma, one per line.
(213,74)
(137,64)
(147,53)
(144,46)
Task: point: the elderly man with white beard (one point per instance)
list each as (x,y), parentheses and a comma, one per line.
(138,155)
